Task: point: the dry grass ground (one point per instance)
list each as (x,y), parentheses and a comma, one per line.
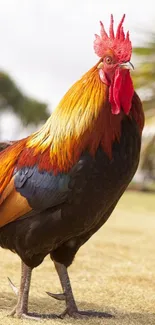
(113,272)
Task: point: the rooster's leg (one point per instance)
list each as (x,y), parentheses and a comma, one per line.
(21,309)
(71,308)
(67,295)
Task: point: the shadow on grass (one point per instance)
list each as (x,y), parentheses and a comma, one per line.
(52,309)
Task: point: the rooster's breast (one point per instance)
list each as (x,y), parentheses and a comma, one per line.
(98,182)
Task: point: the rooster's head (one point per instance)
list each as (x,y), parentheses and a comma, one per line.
(115,53)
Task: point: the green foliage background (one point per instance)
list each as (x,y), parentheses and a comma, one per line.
(29,110)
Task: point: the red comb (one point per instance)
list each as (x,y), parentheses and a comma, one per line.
(119,44)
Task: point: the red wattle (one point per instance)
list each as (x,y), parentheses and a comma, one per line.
(121,91)
(126,93)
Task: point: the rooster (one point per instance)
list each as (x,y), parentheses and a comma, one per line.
(60,184)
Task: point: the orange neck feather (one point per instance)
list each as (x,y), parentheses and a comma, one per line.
(81,121)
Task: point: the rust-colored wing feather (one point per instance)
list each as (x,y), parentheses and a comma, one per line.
(12,204)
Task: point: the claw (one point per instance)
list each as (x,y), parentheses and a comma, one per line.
(57,296)
(15,289)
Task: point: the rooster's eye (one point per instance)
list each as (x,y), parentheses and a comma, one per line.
(108,59)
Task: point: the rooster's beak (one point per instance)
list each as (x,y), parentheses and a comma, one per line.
(100,65)
(127,65)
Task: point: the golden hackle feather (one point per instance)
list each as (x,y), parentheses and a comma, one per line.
(76,125)
(80,122)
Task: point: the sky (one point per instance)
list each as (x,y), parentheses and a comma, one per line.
(47,45)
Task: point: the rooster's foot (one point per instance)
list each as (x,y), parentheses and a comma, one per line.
(72,313)
(22,314)
(78,314)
